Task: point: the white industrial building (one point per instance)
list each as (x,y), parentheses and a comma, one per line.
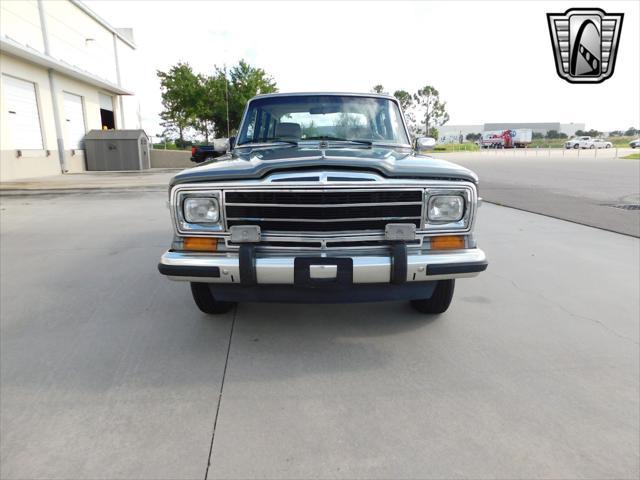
(64,71)
(451,131)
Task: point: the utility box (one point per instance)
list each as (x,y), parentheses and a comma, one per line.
(116,150)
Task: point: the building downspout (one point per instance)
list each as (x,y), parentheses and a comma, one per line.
(115,52)
(52,88)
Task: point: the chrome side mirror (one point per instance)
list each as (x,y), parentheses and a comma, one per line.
(425,143)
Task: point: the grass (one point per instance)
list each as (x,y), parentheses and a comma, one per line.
(633,156)
(456,147)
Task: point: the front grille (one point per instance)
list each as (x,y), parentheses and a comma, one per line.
(323,211)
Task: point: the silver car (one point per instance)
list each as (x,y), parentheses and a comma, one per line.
(597,143)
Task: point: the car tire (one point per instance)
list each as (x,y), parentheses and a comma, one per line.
(439,301)
(592,147)
(608,145)
(576,146)
(206,302)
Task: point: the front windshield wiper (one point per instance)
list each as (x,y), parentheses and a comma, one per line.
(338,139)
(268,142)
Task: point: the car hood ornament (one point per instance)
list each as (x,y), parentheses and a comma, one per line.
(585,43)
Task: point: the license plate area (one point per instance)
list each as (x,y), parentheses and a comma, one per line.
(315,271)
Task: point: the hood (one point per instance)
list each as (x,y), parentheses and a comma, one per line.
(253,164)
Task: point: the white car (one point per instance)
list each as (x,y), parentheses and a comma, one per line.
(597,143)
(578,142)
(635,143)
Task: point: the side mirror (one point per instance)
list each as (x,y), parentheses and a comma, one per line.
(425,143)
(232,143)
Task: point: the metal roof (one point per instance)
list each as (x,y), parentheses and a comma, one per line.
(115,134)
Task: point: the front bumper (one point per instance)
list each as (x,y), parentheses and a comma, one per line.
(248,268)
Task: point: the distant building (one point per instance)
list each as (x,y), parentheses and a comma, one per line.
(449,131)
(64,71)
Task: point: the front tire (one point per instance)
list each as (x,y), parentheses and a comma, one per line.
(206,302)
(439,301)
(576,146)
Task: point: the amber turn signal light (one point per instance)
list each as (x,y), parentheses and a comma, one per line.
(447,242)
(200,244)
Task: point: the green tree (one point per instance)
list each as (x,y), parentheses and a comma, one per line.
(180,91)
(551,134)
(630,132)
(378,89)
(435,111)
(405,99)
(473,137)
(245,82)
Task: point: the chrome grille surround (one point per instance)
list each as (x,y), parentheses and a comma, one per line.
(323,240)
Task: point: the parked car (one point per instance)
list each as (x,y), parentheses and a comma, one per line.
(323,198)
(597,143)
(202,153)
(635,143)
(577,142)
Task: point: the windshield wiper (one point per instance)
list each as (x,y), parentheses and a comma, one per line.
(338,139)
(268,142)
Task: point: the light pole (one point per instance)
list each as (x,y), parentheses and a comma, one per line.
(226,92)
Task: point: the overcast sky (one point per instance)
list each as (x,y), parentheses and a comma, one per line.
(491,61)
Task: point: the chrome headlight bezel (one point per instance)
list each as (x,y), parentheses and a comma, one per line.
(464,223)
(185,227)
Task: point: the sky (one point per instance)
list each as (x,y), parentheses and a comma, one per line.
(490,61)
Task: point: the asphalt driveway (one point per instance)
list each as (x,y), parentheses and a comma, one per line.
(107,370)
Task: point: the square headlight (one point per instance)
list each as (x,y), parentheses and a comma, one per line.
(201,210)
(445,208)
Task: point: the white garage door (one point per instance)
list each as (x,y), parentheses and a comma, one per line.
(22,114)
(73,120)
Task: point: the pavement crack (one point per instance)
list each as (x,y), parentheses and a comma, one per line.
(566,310)
(224,376)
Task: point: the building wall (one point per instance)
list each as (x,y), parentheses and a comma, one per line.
(21,22)
(76,38)
(33,163)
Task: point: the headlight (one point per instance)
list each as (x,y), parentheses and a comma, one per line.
(445,208)
(201,210)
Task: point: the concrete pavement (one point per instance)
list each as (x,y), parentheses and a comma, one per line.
(590,187)
(108,370)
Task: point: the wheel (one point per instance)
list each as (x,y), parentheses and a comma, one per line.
(608,145)
(576,146)
(592,147)
(439,301)
(205,301)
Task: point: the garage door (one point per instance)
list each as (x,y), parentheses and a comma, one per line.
(73,120)
(22,114)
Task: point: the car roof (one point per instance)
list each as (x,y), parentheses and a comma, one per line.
(337,94)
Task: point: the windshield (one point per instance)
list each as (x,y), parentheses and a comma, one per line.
(323,117)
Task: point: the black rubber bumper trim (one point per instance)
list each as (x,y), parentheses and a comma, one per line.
(398,263)
(187,271)
(247,261)
(451,268)
(327,293)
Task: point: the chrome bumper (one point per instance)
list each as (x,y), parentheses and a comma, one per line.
(392,268)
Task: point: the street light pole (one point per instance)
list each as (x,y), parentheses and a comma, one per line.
(226,90)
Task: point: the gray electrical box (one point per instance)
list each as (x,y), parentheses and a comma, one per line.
(116,150)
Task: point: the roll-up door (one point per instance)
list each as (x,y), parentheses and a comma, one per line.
(22,113)
(73,120)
